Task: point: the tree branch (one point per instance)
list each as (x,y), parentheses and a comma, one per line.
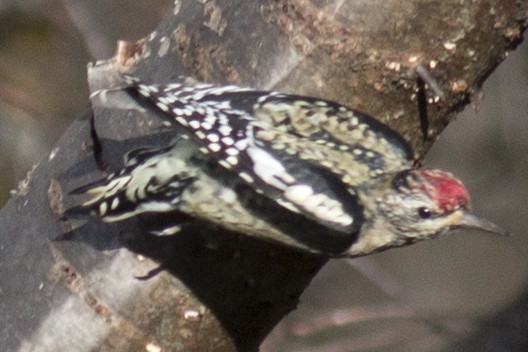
(207,289)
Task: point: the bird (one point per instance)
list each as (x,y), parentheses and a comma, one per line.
(299,171)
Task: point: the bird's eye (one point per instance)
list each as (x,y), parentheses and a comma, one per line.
(424,213)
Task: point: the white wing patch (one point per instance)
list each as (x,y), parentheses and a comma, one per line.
(324,207)
(269,169)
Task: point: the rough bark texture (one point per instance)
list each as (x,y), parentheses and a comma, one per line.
(115,288)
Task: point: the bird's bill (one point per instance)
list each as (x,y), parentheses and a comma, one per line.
(470,221)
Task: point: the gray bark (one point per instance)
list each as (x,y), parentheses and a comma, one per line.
(116,288)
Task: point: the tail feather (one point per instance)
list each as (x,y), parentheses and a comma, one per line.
(154,183)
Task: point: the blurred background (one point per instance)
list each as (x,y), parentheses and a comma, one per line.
(420,298)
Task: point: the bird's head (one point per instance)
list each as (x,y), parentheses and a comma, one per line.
(415,205)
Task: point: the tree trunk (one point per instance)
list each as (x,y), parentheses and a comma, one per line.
(116,288)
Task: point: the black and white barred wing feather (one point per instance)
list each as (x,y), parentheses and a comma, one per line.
(308,155)
(220,120)
(345,141)
(152,180)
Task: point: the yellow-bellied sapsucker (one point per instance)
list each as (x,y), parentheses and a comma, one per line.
(301,171)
